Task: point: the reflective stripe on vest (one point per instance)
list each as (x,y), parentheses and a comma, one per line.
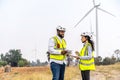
(86,64)
(59,46)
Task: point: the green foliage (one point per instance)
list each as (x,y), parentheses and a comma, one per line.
(98,60)
(38,63)
(23,62)
(105,61)
(117,52)
(14,58)
(3,63)
(108,61)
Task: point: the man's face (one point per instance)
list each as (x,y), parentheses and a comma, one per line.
(61,33)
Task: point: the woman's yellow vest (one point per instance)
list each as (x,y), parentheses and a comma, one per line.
(86,64)
(59,45)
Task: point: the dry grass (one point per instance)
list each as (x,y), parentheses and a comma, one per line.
(107,72)
(36,73)
(72,73)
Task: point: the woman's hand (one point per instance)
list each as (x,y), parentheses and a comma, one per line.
(77,53)
(77,57)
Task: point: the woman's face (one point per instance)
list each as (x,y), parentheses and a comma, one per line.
(83,39)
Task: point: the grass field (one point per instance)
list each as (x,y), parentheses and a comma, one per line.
(110,72)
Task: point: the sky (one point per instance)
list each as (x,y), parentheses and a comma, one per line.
(28,25)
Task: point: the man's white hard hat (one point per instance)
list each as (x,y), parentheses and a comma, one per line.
(60,28)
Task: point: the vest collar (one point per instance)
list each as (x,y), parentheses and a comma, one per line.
(59,38)
(85,43)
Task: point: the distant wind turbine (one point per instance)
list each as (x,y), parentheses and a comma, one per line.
(96,7)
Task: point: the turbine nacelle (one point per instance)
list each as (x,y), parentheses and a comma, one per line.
(97,5)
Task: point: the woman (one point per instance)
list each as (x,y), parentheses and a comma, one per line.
(86,56)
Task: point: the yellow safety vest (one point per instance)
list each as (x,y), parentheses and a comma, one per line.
(58,46)
(86,64)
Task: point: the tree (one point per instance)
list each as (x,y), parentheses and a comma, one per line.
(15,56)
(108,60)
(98,60)
(7,57)
(117,52)
(113,58)
(23,62)
(3,63)
(38,62)
(33,63)
(44,63)
(2,57)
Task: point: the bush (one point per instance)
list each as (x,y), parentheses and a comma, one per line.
(108,61)
(21,63)
(3,63)
(98,60)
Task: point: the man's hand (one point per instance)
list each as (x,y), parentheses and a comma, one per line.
(63,52)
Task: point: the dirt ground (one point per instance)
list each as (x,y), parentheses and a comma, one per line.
(110,72)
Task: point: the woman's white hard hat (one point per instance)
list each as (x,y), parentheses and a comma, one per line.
(86,34)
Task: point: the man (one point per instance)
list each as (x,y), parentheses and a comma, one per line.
(57,50)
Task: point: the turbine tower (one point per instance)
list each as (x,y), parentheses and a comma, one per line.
(96,7)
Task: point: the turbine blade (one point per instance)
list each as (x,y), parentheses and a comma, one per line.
(94,2)
(106,12)
(84,16)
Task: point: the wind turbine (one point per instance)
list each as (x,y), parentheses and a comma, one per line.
(96,7)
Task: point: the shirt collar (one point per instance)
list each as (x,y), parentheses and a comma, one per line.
(59,37)
(85,43)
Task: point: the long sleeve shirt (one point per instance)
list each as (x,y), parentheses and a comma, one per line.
(89,56)
(53,51)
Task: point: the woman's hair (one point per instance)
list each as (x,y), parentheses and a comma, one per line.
(91,42)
